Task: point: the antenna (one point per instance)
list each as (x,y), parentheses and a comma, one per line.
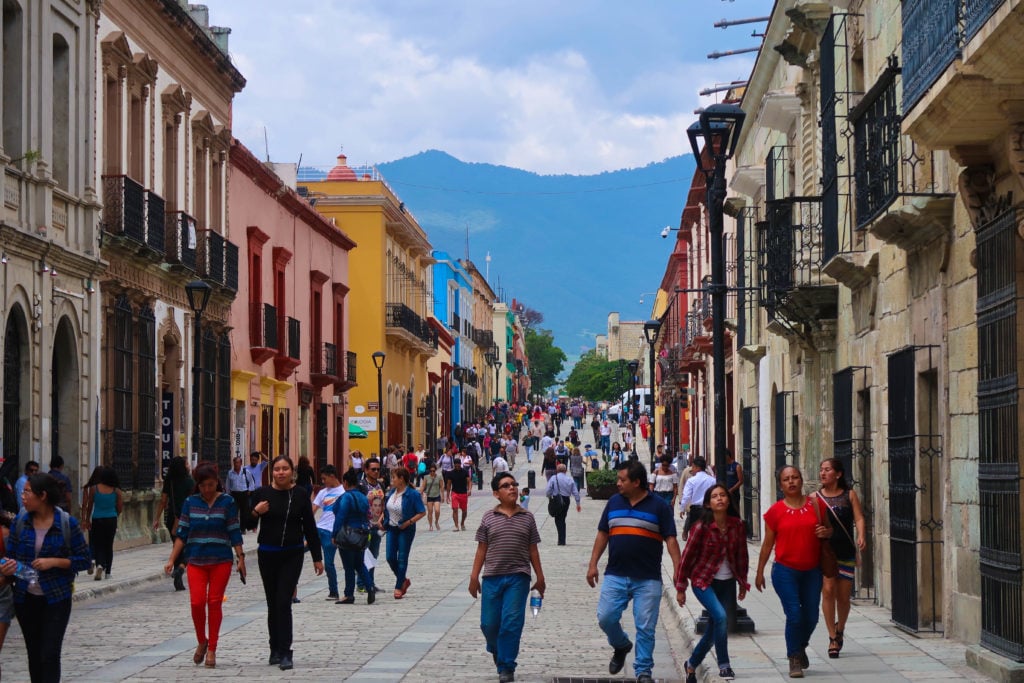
(467,241)
(266,144)
(487,269)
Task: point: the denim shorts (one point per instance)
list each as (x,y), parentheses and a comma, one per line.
(6,603)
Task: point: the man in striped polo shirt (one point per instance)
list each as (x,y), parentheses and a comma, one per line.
(506,550)
(633,527)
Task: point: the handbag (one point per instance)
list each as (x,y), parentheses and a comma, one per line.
(352,538)
(558,504)
(828,562)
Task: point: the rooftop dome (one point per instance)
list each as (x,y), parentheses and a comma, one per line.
(341,171)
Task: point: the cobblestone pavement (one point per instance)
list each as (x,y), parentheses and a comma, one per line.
(135,627)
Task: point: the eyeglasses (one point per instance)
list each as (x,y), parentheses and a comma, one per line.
(373,469)
(509,485)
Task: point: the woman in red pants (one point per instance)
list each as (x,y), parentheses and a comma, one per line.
(208,530)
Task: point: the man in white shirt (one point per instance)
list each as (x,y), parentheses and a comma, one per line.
(546,442)
(499,464)
(511,450)
(324,501)
(257,463)
(240,485)
(606,437)
(691,505)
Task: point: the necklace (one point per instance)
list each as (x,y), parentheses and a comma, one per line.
(803,502)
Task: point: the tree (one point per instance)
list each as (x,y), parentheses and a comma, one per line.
(531,317)
(546,359)
(594,378)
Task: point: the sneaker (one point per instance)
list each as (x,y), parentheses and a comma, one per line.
(92,567)
(506,677)
(332,596)
(619,658)
(726,673)
(99,574)
(371,597)
(795,670)
(296,601)
(644,678)
(361,589)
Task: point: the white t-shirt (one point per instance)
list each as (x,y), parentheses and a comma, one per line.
(498,465)
(325,501)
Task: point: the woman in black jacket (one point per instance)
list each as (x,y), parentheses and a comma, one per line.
(285,517)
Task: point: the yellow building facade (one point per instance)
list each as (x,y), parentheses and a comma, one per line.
(389,303)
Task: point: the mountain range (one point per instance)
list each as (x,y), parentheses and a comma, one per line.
(574,247)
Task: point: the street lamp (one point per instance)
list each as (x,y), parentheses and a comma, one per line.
(719,130)
(198,293)
(633,366)
(378,362)
(496,362)
(651,328)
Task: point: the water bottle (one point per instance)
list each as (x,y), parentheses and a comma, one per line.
(26,572)
(535,602)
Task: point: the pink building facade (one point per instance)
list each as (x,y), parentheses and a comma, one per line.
(291,369)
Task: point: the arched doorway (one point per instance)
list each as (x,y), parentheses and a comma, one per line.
(65,401)
(17,384)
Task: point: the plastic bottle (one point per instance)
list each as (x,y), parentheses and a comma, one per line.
(535,602)
(26,572)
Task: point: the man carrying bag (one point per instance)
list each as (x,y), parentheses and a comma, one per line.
(560,487)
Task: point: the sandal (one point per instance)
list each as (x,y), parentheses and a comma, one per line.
(399,594)
(839,637)
(833,648)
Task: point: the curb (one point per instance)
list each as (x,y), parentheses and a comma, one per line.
(705,672)
(82,593)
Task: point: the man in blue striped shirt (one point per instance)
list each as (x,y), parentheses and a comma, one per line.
(633,527)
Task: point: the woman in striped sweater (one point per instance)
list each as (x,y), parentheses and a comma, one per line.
(208,530)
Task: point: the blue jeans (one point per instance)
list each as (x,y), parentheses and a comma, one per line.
(327,543)
(374,547)
(606,444)
(616,592)
(800,595)
(352,561)
(399,544)
(712,598)
(502,615)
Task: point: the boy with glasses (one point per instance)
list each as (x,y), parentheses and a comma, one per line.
(506,551)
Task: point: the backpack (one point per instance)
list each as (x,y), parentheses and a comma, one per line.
(65,527)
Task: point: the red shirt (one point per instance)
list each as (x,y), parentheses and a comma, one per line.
(707,548)
(796,546)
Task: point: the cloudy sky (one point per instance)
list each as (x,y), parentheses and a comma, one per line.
(551,86)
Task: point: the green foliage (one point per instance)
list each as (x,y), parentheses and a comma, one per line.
(594,378)
(546,359)
(598,478)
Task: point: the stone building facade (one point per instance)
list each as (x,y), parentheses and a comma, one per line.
(49,237)
(874,203)
(164,85)
(625,338)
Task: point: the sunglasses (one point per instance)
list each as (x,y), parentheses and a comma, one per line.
(373,469)
(509,485)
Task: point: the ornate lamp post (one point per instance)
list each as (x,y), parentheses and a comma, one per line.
(496,362)
(378,362)
(719,130)
(198,293)
(651,328)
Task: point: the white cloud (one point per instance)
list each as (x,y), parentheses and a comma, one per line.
(348,75)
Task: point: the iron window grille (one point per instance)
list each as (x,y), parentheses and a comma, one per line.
(750,424)
(976,13)
(350,366)
(145,469)
(231,266)
(747,299)
(155,238)
(120,441)
(224,404)
(786,442)
(181,238)
(294,338)
(124,208)
(13,339)
(262,325)
(208,396)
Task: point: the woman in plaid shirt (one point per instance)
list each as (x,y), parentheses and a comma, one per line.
(43,607)
(714,559)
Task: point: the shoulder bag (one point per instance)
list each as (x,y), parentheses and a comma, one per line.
(351,538)
(558,504)
(828,562)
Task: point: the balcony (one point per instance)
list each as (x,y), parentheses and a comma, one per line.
(124,208)
(288,358)
(180,233)
(210,256)
(959,83)
(896,196)
(483,337)
(406,326)
(262,332)
(456,323)
(349,380)
(794,288)
(323,367)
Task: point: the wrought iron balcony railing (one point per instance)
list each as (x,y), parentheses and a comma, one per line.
(324,359)
(230,266)
(403,317)
(456,323)
(180,229)
(776,173)
(483,337)
(262,326)
(294,338)
(350,367)
(694,325)
(791,248)
(210,255)
(931,42)
(976,13)
(888,164)
(124,208)
(155,218)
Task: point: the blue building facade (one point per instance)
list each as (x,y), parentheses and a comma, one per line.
(453,305)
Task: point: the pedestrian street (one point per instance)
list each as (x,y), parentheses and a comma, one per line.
(135,627)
